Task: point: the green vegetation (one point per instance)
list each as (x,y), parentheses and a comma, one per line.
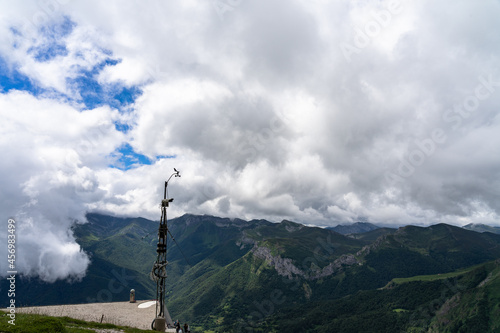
(371,236)
(34,323)
(440,278)
(217,296)
(475,309)
(434,276)
(467,302)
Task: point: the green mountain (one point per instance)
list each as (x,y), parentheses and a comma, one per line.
(289,265)
(354,228)
(463,301)
(264,267)
(371,236)
(482,228)
(120,261)
(235,275)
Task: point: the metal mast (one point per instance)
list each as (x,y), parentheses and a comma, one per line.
(159,271)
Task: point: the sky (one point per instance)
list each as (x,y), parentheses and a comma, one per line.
(319,112)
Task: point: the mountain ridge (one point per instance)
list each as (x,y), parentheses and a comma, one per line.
(354,228)
(233,264)
(479,227)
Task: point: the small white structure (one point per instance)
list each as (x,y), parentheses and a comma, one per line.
(132,295)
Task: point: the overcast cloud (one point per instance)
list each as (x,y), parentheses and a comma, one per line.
(321,112)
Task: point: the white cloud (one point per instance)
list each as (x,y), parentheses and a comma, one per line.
(47,180)
(260,109)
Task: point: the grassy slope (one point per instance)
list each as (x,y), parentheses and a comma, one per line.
(308,242)
(467,302)
(33,323)
(475,309)
(226,285)
(442,248)
(124,242)
(434,277)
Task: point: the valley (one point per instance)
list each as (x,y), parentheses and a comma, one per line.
(257,276)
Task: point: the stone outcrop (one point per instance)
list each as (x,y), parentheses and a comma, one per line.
(372,247)
(283,266)
(291,226)
(286,267)
(245,240)
(336,266)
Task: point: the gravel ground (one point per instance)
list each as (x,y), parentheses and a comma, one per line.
(118,313)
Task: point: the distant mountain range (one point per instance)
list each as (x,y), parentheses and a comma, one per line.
(482,228)
(364,227)
(354,228)
(261,276)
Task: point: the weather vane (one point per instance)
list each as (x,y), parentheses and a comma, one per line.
(159,271)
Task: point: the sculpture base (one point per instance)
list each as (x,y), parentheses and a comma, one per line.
(160,324)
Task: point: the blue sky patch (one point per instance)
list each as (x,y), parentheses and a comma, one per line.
(127,95)
(48,52)
(58,30)
(52,45)
(84,85)
(11,79)
(127,158)
(94,95)
(159,157)
(122,127)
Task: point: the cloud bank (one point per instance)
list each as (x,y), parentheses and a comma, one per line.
(313,111)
